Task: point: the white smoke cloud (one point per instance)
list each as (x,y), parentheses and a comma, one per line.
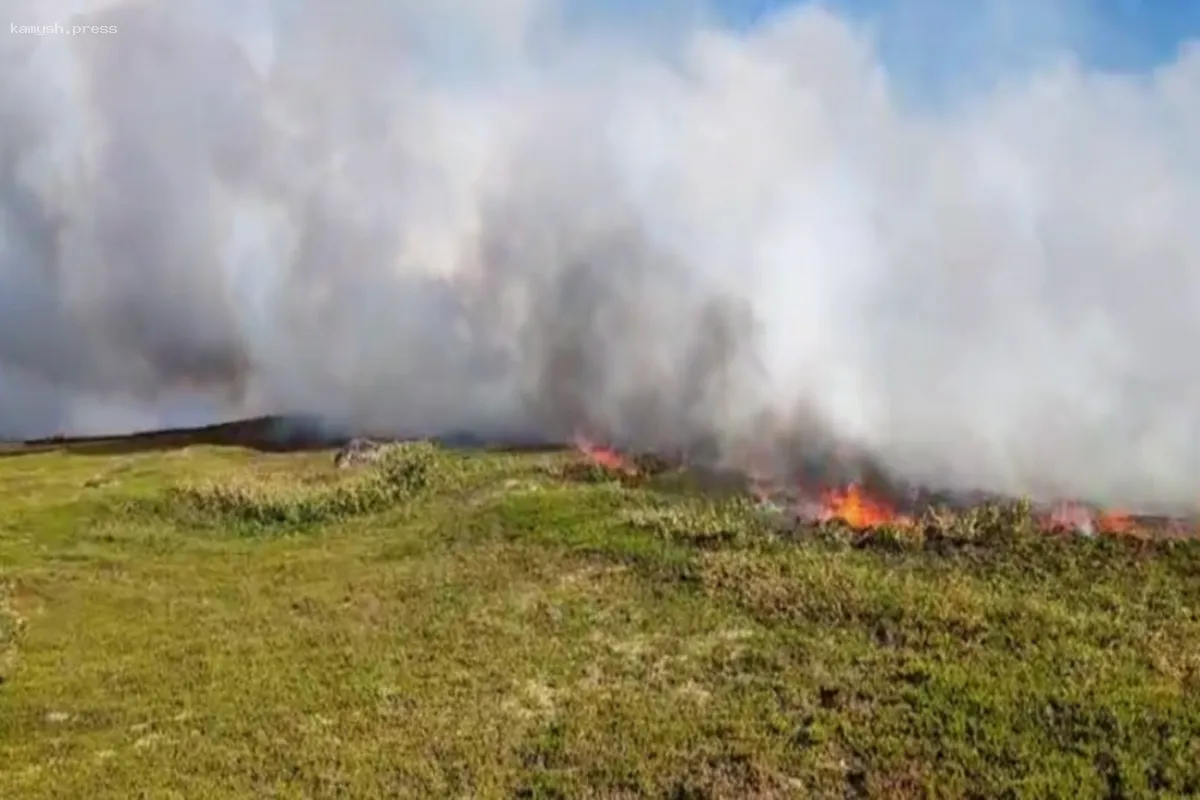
(478,215)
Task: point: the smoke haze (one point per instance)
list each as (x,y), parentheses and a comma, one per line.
(490,216)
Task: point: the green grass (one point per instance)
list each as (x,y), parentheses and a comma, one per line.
(211,622)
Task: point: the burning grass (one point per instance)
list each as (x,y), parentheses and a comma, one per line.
(546,625)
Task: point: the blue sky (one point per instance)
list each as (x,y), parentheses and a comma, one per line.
(1120,34)
(930,44)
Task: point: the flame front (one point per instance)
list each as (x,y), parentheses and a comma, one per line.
(1115,522)
(603,456)
(858,509)
(1078,517)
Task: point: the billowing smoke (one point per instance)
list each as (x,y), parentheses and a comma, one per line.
(484,215)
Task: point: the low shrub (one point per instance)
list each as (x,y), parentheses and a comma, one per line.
(402,473)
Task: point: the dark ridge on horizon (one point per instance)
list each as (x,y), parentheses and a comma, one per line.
(268,433)
(271,433)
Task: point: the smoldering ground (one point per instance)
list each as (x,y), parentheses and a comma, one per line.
(488,216)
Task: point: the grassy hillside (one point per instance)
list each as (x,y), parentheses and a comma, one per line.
(216,622)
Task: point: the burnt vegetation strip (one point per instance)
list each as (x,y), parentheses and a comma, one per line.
(446,622)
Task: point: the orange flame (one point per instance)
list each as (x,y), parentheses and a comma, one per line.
(858,509)
(604,456)
(1115,522)
(1077,517)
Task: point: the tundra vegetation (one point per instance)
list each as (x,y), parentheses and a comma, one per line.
(214,621)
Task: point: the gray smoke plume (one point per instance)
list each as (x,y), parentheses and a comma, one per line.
(485,216)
